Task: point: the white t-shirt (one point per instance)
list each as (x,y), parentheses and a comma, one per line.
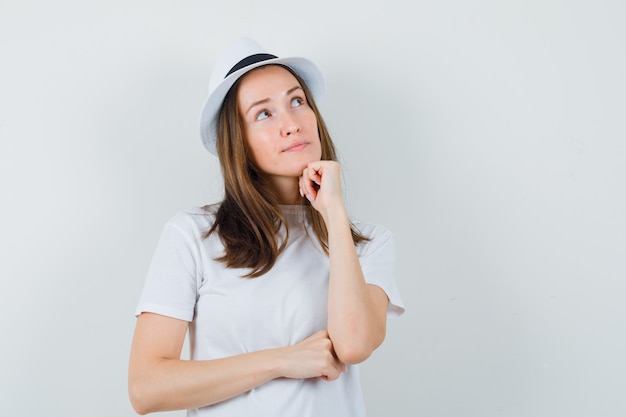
(230,315)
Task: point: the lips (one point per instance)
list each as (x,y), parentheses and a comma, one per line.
(296,146)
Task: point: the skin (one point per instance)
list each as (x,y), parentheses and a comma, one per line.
(280,127)
(281,132)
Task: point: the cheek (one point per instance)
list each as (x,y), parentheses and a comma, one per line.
(253,143)
(256,153)
(319,153)
(260,152)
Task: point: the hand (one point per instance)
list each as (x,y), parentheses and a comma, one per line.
(312,357)
(320,182)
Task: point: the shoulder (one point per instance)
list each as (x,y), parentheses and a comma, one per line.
(372,229)
(378,235)
(196,220)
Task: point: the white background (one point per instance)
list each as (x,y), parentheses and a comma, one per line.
(489,136)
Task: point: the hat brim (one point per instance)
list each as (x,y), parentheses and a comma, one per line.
(306,69)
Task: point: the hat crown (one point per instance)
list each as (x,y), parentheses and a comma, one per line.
(237,51)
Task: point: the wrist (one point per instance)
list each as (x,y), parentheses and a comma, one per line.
(335,213)
(275,362)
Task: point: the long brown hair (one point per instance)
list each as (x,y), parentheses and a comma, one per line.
(248,219)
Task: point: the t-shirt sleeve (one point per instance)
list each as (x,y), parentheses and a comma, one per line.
(377,259)
(171,284)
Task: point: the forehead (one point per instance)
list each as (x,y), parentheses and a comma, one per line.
(264,82)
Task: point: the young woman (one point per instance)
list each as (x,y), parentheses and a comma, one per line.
(281,294)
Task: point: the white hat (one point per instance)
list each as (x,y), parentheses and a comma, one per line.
(242,56)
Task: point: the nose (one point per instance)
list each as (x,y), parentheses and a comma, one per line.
(290,126)
(292,129)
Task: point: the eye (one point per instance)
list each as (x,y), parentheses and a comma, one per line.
(263,114)
(297,101)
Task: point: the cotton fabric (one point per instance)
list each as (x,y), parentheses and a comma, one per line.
(230,315)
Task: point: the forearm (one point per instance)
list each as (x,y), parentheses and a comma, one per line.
(173,384)
(354,322)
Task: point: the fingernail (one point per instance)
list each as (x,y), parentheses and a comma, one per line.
(308,197)
(301,193)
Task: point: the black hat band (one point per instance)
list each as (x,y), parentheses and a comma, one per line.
(249,60)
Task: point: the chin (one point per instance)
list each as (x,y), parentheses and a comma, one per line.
(304,164)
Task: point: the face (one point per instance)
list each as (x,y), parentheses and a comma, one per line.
(279,126)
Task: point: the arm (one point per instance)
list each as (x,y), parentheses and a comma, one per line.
(357,311)
(159,380)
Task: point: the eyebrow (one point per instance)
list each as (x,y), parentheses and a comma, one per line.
(265,100)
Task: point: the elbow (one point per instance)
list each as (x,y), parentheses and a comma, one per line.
(139,399)
(357,350)
(353,354)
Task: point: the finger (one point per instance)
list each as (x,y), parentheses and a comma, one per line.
(341,367)
(316,176)
(336,363)
(305,190)
(306,185)
(334,371)
(321,334)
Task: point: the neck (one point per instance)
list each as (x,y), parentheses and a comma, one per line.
(286,189)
